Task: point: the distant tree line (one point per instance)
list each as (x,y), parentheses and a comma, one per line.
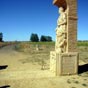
(43,38)
(1,37)
(33,38)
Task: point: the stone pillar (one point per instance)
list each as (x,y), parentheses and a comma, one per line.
(72,26)
(64,60)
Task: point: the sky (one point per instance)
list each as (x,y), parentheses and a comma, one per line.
(20,18)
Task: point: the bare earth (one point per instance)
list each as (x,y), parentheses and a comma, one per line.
(18,70)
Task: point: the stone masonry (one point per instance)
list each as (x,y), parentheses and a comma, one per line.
(64,60)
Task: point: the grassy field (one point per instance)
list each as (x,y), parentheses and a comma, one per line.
(26,44)
(46,47)
(23,45)
(2,44)
(82,43)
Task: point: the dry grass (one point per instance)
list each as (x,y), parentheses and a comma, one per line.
(46,47)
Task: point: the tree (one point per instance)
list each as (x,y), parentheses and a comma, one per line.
(34,38)
(45,38)
(49,38)
(1,37)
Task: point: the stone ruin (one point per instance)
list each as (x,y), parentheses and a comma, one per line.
(64,60)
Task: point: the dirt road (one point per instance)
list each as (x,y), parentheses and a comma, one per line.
(17,72)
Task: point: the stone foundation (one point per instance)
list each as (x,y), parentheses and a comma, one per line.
(64,63)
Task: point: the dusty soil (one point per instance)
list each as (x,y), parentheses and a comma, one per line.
(24,70)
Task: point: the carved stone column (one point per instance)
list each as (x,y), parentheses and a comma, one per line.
(65,62)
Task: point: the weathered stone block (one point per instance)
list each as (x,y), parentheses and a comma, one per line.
(67,64)
(64,63)
(53,61)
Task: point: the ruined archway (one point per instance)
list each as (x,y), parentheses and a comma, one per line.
(64,61)
(71,7)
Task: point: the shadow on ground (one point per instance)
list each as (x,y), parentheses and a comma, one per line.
(3,67)
(6,86)
(83,68)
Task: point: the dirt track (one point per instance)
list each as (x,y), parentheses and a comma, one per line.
(16,74)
